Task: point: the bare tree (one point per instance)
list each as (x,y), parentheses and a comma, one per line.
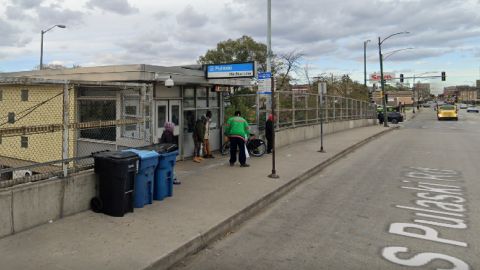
(289,62)
(306,74)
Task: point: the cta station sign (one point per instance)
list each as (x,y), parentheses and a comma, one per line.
(387,76)
(231,70)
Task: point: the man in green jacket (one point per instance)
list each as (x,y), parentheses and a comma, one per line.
(237,131)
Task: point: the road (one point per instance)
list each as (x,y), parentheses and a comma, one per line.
(408,200)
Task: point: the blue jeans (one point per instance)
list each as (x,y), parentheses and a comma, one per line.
(240,144)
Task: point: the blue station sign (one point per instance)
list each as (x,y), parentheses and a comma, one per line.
(233,70)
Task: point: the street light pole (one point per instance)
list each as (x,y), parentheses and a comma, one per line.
(413,92)
(269,36)
(274,174)
(382,83)
(382,80)
(41,41)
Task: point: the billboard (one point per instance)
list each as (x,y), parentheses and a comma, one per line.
(388,76)
(231,70)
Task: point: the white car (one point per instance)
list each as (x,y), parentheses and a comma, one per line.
(463,106)
(472,109)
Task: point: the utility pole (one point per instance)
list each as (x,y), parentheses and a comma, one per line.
(269,69)
(382,81)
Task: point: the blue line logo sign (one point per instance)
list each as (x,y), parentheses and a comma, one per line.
(233,70)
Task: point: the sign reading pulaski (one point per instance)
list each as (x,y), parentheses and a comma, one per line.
(387,76)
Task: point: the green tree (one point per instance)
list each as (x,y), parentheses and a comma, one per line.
(239,50)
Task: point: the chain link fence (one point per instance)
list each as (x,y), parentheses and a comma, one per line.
(52,129)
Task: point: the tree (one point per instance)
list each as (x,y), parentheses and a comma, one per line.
(288,62)
(240,50)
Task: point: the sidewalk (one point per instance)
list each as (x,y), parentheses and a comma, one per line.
(212,199)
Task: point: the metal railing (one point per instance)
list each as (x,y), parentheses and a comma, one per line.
(299,109)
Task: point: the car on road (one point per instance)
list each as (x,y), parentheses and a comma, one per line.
(472,109)
(447,111)
(463,106)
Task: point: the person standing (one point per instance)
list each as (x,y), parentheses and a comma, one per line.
(206,144)
(237,131)
(269,133)
(198,136)
(169,137)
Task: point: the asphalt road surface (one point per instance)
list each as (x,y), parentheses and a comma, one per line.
(409,200)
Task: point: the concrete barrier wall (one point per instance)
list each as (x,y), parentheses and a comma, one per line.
(292,135)
(25,206)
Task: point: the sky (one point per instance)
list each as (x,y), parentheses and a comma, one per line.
(444,34)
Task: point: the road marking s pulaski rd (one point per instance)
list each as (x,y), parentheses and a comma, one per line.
(438,204)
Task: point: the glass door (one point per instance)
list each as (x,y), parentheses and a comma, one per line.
(168,110)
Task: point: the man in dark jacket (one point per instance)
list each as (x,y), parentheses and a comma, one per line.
(198,136)
(269,133)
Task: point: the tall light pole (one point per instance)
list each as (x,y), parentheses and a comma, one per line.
(269,69)
(41,41)
(269,36)
(365,62)
(380,42)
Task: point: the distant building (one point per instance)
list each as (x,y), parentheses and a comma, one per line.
(462,93)
(394,97)
(422,91)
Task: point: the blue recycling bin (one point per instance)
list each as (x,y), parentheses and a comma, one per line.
(143,191)
(164,175)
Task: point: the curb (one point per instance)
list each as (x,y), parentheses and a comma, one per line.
(203,240)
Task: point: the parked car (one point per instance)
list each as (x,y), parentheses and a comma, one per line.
(463,106)
(472,109)
(395,117)
(447,111)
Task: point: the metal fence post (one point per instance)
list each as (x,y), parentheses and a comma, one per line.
(334,109)
(65,136)
(293,108)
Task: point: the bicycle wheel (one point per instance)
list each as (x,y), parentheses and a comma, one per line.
(225,148)
(256,147)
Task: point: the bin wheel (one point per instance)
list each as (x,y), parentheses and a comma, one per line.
(96,204)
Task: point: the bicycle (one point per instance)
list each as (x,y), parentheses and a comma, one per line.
(256,147)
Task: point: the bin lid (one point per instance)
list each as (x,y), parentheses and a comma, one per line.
(144,154)
(162,147)
(116,155)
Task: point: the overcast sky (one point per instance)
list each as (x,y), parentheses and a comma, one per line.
(445,34)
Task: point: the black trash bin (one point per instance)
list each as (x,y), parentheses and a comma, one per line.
(116,172)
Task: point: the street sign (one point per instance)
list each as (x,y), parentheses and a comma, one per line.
(265,83)
(388,76)
(233,70)
(322,88)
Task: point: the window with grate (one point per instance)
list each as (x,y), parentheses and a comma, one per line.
(95,110)
(24,95)
(24,142)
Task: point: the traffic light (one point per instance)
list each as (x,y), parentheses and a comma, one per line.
(401,78)
(386,98)
(444,76)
